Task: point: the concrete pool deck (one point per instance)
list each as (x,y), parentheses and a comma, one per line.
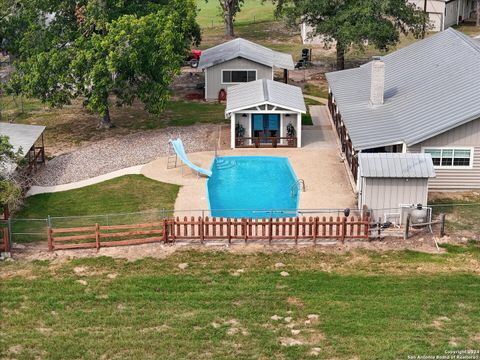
(326,181)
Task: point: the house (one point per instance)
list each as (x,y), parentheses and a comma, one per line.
(423,98)
(442,15)
(265,113)
(390,183)
(239,61)
(446,13)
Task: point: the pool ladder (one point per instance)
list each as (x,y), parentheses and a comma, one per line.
(297,186)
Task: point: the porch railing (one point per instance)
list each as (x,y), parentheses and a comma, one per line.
(265,142)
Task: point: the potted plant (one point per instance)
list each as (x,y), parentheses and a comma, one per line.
(239,134)
(291,135)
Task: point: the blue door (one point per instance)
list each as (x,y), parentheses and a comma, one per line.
(266,126)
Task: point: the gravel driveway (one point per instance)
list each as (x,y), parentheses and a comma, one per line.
(117,153)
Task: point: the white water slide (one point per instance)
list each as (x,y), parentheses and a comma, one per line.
(177,145)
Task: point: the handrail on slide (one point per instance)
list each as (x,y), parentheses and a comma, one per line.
(177,145)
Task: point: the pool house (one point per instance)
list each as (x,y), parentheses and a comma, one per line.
(265,113)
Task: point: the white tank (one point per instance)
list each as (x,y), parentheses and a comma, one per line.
(418,215)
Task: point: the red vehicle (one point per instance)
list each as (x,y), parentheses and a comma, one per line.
(193,58)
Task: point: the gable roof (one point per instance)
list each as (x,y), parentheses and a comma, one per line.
(431,87)
(396,165)
(21,136)
(264,91)
(245,49)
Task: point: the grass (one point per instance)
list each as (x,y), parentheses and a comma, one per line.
(126,194)
(315,90)
(252,11)
(369,306)
(73,125)
(465,217)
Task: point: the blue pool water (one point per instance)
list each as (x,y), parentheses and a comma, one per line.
(252,184)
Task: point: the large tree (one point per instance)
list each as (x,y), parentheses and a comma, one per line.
(230,8)
(97,50)
(353,22)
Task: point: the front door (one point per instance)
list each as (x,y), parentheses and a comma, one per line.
(266,126)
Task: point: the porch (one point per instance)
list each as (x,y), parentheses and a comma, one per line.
(265,114)
(266,142)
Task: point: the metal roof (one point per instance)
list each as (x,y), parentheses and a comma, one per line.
(396,165)
(265,91)
(245,49)
(430,88)
(21,136)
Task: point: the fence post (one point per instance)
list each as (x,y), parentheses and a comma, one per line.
(50,239)
(296,230)
(344,228)
(165,230)
(407,227)
(270,229)
(442,225)
(315,230)
(10,233)
(97,236)
(229,230)
(202,231)
(244,229)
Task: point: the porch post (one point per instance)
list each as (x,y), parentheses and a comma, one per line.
(232,130)
(299,130)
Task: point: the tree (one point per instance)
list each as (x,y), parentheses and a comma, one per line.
(93,49)
(478,13)
(10,191)
(353,22)
(230,8)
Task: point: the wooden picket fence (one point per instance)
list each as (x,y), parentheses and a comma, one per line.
(234,230)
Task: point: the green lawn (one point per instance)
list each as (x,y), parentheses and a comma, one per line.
(315,90)
(126,194)
(252,11)
(367,306)
(465,217)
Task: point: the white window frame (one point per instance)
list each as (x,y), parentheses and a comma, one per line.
(440,167)
(236,83)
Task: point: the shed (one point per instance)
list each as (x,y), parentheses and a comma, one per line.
(391,181)
(263,111)
(239,61)
(28,139)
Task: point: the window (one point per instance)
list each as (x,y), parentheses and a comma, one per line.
(450,157)
(238,76)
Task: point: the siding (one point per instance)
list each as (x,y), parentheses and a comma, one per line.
(213,75)
(390,193)
(467,135)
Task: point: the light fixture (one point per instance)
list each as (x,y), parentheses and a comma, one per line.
(244,115)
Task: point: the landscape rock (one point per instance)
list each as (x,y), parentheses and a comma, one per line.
(279,265)
(183,266)
(82,282)
(284,273)
(276,317)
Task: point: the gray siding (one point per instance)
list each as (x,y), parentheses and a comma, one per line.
(467,135)
(213,75)
(390,193)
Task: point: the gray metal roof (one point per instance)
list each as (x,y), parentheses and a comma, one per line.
(431,87)
(245,49)
(265,91)
(396,165)
(21,136)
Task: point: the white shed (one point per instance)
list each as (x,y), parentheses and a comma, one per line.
(390,181)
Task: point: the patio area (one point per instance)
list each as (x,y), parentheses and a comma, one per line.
(326,181)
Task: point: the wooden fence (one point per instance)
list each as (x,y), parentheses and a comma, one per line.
(4,240)
(207,229)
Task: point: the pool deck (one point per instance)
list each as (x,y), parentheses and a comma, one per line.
(326,181)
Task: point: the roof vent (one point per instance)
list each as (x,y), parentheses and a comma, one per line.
(377,85)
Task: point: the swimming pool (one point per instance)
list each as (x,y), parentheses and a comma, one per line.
(252,184)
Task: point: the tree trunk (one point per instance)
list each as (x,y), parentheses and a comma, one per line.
(340,56)
(478,12)
(228,7)
(105,122)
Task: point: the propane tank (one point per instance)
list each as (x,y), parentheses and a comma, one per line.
(418,215)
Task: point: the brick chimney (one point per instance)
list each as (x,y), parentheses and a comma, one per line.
(377,85)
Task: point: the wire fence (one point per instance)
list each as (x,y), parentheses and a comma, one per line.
(461,217)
